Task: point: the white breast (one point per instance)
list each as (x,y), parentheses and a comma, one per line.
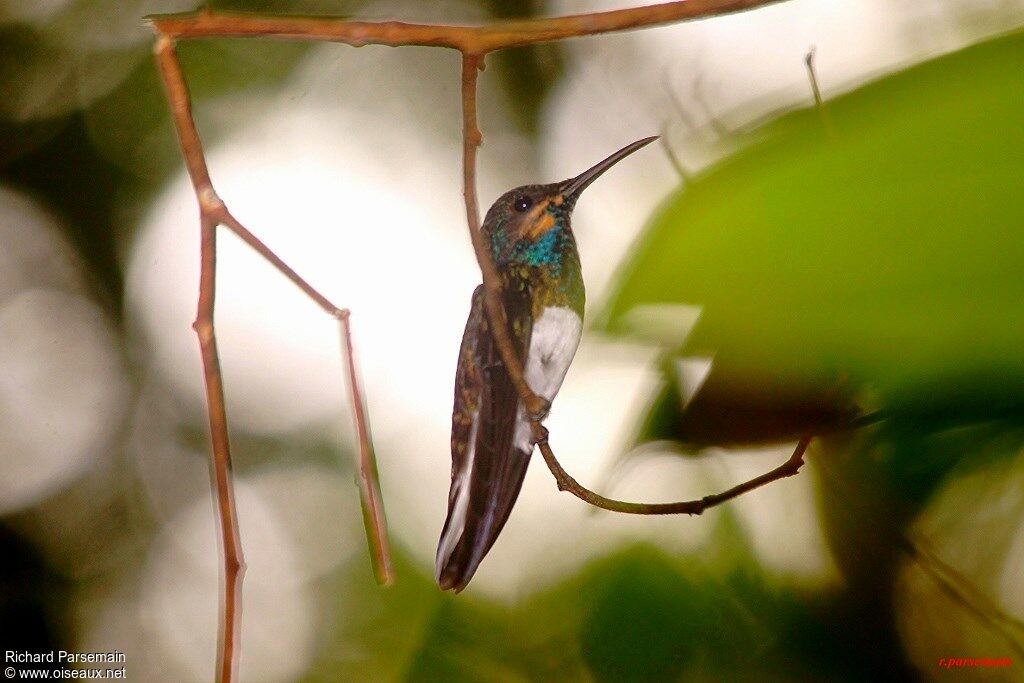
(553,343)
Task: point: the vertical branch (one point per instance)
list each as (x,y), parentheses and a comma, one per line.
(368,481)
(369,484)
(472,63)
(230,543)
(471,139)
(232,561)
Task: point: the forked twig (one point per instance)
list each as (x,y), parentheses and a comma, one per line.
(213,212)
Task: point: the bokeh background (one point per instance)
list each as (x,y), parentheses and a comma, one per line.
(770,268)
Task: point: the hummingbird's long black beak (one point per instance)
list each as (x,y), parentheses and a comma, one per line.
(572,188)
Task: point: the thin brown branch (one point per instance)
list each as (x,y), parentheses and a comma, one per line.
(368,480)
(230,541)
(965,594)
(690,507)
(213,212)
(226,219)
(369,483)
(477,40)
(471,139)
(181,112)
(809,62)
(233,562)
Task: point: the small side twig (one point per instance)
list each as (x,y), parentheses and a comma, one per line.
(370,497)
(819,103)
(673,158)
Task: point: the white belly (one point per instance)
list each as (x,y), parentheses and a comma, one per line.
(553,343)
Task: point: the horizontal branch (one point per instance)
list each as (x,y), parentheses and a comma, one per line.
(466,39)
(689,507)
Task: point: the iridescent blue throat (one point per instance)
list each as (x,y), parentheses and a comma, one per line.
(546,251)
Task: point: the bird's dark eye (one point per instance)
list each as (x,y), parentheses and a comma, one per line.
(522,203)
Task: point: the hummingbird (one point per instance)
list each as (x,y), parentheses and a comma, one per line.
(534,250)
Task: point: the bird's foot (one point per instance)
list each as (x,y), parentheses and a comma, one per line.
(542,438)
(539,410)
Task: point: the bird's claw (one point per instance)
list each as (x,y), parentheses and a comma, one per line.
(540,411)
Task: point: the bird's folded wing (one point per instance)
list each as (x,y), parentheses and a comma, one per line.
(487,469)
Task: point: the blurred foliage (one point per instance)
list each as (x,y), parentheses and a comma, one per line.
(89,189)
(874,247)
(857,266)
(637,615)
(86,126)
(33,597)
(871,262)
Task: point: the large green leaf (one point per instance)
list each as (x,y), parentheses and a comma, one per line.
(886,248)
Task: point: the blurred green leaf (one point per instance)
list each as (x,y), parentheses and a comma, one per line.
(888,254)
(467,641)
(131,126)
(644,625)
(42,79)
(642,615)
(375,634)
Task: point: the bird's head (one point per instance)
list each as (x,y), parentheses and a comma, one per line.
(530,224)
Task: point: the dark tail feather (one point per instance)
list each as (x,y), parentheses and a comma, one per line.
(494,484)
